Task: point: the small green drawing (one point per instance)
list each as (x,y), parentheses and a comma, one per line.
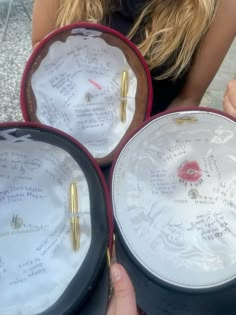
(16,222)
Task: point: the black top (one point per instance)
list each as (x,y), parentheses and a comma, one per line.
(164,91)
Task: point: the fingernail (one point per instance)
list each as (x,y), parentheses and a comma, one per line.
(115,274)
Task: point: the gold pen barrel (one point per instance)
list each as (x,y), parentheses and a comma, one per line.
(76,236)
(73,198)
(124,92)
(74,209)
(124,83)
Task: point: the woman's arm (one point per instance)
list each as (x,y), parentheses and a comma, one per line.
(229,102)
(210,55)
(44,19)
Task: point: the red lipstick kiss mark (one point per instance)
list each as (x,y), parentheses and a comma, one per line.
(190,172)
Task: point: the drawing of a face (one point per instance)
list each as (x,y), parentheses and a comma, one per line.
(190,171)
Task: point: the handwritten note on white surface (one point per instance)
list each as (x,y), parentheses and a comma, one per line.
(174,199)
(37,261)
(78,90)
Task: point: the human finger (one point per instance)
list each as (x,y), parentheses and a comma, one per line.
(124,295)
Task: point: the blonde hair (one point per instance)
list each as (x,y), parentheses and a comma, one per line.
(169,30)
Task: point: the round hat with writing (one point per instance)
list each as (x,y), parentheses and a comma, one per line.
(55,225)
(173,193)
(89,81)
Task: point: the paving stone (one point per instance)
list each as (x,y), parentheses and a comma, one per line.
(14,52)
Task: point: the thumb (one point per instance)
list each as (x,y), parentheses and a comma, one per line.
(125,302)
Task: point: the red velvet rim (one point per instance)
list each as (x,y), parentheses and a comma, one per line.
(74,26)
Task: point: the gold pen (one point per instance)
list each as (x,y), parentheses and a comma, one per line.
(74,209)
(108,258)
(124,92)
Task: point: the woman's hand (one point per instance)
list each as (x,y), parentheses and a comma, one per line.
(123,302)
(229,102)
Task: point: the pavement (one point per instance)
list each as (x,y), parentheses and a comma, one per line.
(16,49)
(14,52)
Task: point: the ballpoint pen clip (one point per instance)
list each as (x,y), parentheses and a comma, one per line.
(74,209)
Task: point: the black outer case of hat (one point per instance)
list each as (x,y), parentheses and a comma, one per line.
(95,304)
(92,297)
(155,297)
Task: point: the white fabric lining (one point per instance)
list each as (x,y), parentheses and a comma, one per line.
(174,198)
(78,90)
(37,260)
